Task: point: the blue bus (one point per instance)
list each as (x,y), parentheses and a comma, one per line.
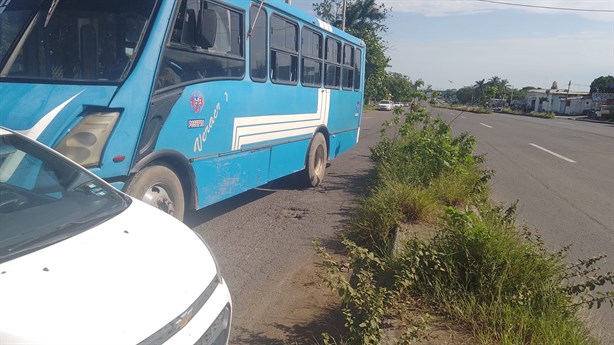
(181,103)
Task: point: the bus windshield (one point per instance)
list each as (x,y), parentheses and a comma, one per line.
(71,40)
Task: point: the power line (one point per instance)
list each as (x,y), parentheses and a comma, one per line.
(546,7)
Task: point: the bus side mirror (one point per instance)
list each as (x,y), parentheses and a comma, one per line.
(208,28)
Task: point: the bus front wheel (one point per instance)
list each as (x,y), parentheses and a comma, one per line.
(160,187)
(317,157)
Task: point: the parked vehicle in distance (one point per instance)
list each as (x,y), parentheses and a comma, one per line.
(398,104)
(82,263)
(385,104)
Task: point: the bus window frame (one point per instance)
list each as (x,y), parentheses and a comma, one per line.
(335,63)
(357,68)
(296,53)
(263,14)
(349,68)
(174,46)
(319,59)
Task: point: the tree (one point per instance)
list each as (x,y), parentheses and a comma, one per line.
(465,95)
(375,65)
(603,84)
(359,14)
(479,85)
(554,86)
(399,86)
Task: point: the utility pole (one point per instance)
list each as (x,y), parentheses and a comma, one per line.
(567,97)
(343,20)
(512,97)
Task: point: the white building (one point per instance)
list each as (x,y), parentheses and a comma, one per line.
(560,101)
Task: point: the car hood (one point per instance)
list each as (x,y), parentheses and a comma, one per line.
(116,283)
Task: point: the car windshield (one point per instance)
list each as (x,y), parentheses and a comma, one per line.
(44,198)
(66,40)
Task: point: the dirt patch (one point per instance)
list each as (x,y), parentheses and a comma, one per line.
(304,309)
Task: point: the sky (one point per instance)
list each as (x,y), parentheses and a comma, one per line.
(453,43)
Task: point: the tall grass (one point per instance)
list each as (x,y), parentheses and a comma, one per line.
(505,286)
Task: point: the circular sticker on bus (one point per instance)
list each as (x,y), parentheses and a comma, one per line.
(197,101)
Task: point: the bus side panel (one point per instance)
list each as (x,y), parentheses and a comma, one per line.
(288,158)
(225,176)
(342,142)
(344,111)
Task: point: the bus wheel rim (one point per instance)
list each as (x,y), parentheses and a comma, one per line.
(157,196)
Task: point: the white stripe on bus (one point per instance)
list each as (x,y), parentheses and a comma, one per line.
(254,129)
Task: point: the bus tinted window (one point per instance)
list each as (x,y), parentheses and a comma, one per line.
(348,67)
(333,63)
(216,52)
(311,50)
(257,44)
(357,65)
(284,50)
(82,41)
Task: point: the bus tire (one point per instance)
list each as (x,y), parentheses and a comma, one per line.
(317,157)
(160,187)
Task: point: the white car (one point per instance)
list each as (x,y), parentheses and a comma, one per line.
(385,105)
(82,263)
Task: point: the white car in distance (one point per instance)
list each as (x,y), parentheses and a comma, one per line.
(82,263)
(385,104)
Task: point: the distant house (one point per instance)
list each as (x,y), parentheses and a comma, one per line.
(560,101)
(600,98)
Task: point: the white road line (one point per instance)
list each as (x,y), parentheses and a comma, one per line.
(463,117)
(485,125)
(565,123)
(553,153)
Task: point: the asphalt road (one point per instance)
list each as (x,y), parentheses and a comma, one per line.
(562,173)
(261,238)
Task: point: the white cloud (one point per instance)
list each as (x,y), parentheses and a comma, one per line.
(460,7)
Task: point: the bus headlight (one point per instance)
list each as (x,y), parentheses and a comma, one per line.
(84,143)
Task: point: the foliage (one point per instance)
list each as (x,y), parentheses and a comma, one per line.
(421,168)
(366,299)
(375,64)
(359,14)
(503,284)
(603,84)
(477,110)
(400,87)
(543,114)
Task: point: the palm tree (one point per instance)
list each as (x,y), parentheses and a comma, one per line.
(479,85)
(366,14)
(359,14)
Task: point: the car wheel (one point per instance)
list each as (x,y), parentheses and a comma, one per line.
(160,187)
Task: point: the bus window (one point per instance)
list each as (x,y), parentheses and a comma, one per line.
(82,40)
(206,43)
(311,50)
(357,66)
(348,67)
(257,44)
(333,63)
(284,50)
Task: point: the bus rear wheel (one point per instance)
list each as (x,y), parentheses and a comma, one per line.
(317,157)
(160,187)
